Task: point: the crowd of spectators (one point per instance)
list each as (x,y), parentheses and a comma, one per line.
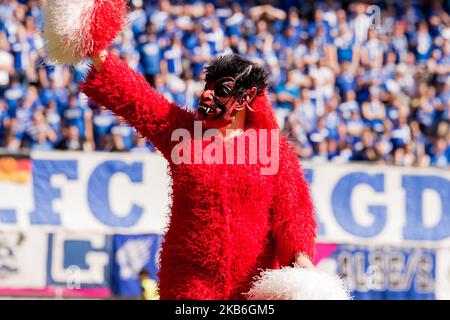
(349,81)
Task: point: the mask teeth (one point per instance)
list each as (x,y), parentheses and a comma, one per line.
(206,109)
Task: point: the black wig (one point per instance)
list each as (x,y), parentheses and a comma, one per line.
(247,73)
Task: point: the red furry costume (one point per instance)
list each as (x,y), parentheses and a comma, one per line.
(227,221)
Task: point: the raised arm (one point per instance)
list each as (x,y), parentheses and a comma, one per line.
(293,222)
(113,84)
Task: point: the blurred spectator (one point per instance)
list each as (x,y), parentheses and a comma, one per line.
(80,117)
(141,145)
(364,149)
(41,133)
(305,113)
(287,93)
(149,287)
(103,120)
(440,153)
(72,140)
(5,122)
(373,111)
(6,63)
(122,136)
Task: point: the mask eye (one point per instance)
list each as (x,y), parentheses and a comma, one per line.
(222,90)
(223,87)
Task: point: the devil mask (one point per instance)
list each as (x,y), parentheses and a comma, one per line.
(232,83)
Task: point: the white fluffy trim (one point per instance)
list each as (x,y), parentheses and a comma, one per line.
(297,284)
(67,25)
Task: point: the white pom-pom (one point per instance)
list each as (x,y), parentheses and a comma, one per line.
(67,26)
(297,284)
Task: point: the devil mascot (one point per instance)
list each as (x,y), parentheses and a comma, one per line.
(229,219)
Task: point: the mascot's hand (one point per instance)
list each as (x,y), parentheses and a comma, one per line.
(302,261)
(98,59)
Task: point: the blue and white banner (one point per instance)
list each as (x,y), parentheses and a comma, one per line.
(382,272)
(79,260)
(381,204)
(132,254)
(79,264)
(128,193)
(23,260)
(98,192)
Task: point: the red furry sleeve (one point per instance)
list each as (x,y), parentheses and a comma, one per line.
(127,94)
(293,222)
